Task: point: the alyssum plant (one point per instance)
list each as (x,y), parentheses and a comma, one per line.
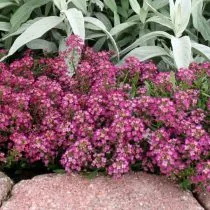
(145,29)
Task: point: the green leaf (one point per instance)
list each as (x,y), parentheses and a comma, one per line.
(93,35)
(125,4)
(81,4)
(201,50)
(150,42)
(7,3)
(96,22)
(159,18)
(116,19)
(22,28)
(134,18)
(5,26)
(145,38)
(124,13)
(135,80)
(162,16)
(148,87)
(144,11)
(158,4)
(99,3)
(76,20)
(173,79)
(111,5)
(147,52)
(124,42)
(59,171)
(135,6)
(182,51)
(199,21)
(192,35)
(123,26)
(163,21)
(169,62)
(182,13)
(48,8)
(101,26)
(92,27)
(61,4)
(34,31)
(104,19)
(5,18)
(24,12)
(186,184)
(91,175)
(62,45)
(172,10)
(199,59)
(100,42)
(42,44)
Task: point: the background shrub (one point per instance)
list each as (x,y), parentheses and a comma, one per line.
(175,33)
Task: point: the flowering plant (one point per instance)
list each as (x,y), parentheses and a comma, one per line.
(106,117)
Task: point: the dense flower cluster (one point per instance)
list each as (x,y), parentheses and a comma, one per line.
(106,116)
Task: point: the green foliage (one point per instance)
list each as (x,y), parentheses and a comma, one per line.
(183,177)
(186,184)
(177,42)
(59,171)
(45,24)
(175,32)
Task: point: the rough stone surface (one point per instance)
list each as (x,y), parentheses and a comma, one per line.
(132,192)
(5,187)
(204,198)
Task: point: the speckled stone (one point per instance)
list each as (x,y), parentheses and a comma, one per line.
(72,192)
(204,198)
(5,186)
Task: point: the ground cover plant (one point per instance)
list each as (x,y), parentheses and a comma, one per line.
(175,33)
(105,117)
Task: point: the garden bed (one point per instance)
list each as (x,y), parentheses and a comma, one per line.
(105,118)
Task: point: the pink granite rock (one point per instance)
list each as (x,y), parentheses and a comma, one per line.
(132,192)
(5,186)
(204,198)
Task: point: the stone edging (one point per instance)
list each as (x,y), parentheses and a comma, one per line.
(136,191)
(6,185)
